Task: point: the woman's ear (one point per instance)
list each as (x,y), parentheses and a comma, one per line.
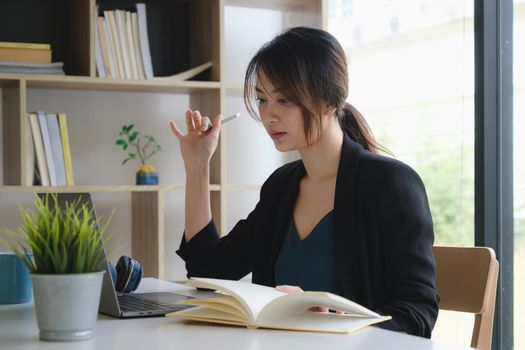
(329,111)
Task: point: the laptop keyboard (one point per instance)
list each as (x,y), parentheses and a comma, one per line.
(135,303)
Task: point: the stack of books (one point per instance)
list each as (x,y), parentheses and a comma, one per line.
(28,58)
(122,48)
(122,44)
(49,158)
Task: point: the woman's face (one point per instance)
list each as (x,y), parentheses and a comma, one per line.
(283,120)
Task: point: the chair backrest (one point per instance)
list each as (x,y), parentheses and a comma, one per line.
(466,279)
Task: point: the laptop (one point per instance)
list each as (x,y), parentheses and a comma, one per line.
(125,305)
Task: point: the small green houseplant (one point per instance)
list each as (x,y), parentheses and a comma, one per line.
(63,249)
(59,241)
(140,147)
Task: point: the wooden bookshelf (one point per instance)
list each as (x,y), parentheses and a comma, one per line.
(199,37)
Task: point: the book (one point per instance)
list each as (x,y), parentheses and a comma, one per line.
(19,45)
(25,55)
(30,155)
(56,148)
(254,306)
(107,50)
(99,60)
(187,74)
(136,45)
(62,122)
(120,21)
(44,131)
(131,46)
(115,44)
(39,149)
(104,51)
(32,68)
(144,40)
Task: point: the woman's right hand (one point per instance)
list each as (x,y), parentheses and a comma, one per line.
(294,289)
(199,143)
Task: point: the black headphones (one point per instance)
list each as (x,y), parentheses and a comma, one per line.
(126,275)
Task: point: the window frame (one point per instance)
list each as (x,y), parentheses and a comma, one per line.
(493,179)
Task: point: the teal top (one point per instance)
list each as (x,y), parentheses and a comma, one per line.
(309,263)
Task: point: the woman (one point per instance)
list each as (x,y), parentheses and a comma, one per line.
(342,219)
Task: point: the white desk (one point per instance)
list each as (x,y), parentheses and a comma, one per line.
(18,330)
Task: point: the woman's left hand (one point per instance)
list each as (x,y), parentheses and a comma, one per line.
(294,289)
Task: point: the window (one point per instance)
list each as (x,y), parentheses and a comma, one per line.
(340,8)
(347,8)
(411,73)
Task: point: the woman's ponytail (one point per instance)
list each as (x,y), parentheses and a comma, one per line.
(354,125)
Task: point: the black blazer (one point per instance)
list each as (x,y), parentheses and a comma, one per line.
(383,237)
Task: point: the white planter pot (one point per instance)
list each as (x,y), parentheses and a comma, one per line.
(67,305)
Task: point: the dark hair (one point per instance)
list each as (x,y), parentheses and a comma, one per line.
(309,67)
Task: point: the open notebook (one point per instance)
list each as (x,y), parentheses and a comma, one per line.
(251,305)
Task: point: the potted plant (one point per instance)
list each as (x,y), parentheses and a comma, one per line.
(143,147)
(63,250)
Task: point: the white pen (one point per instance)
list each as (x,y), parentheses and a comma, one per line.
(231,117)
(225,120)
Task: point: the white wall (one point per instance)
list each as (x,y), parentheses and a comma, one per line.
(251,156)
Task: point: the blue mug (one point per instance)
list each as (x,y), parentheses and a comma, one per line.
(15,282)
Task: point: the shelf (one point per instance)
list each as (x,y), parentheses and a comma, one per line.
(107,84)
(234,86)
(234,90)
(274,4)
(241,187)
(121,188)
(61,23)
(99,188)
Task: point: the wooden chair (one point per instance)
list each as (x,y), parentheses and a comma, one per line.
(466,279)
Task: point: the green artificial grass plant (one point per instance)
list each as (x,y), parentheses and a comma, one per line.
(55,241)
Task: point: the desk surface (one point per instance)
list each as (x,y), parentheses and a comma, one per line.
(18,330)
